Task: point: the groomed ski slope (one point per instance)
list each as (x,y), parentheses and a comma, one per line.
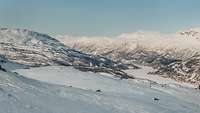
(74,91)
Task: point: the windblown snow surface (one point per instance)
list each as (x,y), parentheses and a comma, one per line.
(87,92)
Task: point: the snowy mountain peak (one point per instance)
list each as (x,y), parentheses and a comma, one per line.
(25,37)
(192,32)
(35,49)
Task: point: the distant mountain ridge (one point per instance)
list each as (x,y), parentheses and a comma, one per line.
(176,55)
(25,37)
(36,49)
(193,32)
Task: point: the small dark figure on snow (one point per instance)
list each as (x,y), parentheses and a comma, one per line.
(98,90)
(2,69)
(156,99)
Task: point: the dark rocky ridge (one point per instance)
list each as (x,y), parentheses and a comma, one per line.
(35,49)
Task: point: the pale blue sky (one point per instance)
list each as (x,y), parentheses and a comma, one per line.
(99,17)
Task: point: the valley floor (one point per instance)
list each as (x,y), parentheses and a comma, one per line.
(143,74)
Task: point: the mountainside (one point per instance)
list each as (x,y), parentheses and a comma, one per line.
(83,92)
(176,55)
(38,74)
(36,49)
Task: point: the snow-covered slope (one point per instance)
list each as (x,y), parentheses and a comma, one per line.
(171,54)
(68,90)
(105,94)
(21,95)
(35,49)
(61,89)
(27,47)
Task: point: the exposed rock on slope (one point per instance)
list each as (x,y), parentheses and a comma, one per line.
(176,55)
(187,70)
(35,49)
(32,48)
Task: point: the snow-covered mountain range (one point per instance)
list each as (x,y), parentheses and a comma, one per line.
(176,55)
(38,74)
(35,49)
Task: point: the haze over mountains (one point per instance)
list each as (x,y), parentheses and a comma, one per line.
(176,55)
